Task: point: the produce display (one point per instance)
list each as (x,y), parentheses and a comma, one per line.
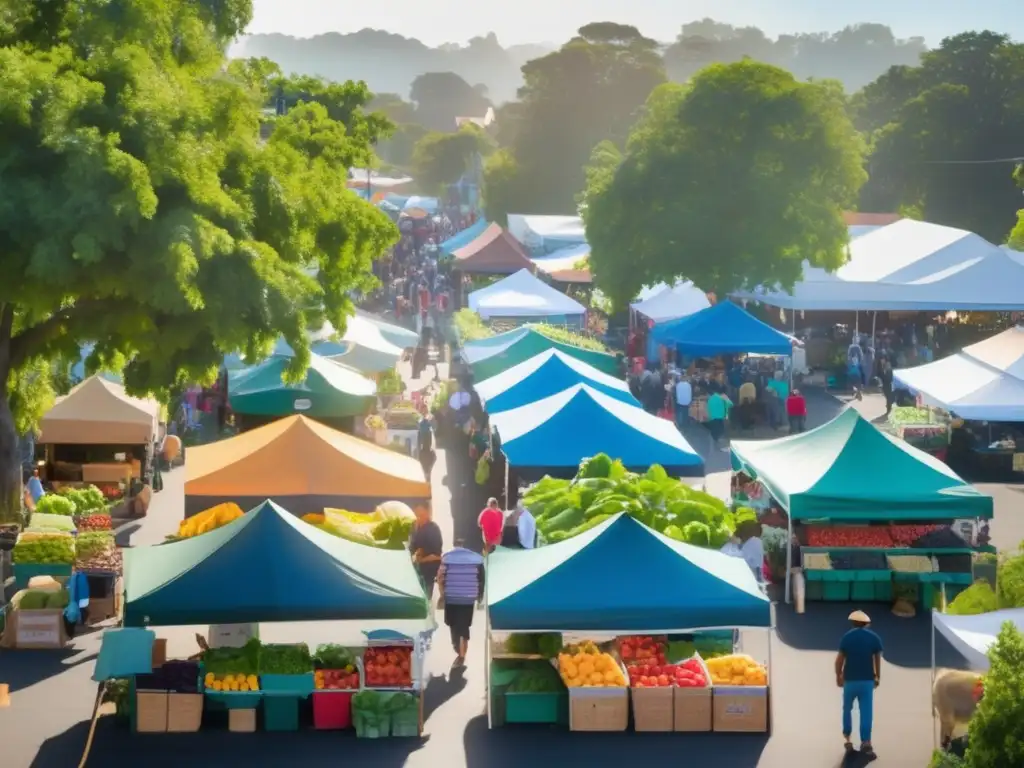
(689,674)
(390,382)
(335,669)
(546,644)
(237,682)
(285,659)
(173,676)
(233,661)
(909,563)
(383,528)
(402,416)
(736,669)
(875,536)
(97,551)
(857,561)
(903,415)
(906,535)
(44,522)
(586,666)
(941,538)
(642,649)
(817,561)
(976,599)
(39,600)
(47,550)
(388,667)
(603,488)
(536,677)
(55,504)
(209,520)
(707,645)
(85,500)
(372,711)
(94,522)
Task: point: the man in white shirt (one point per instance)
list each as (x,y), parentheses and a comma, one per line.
(684,396)
(527,527)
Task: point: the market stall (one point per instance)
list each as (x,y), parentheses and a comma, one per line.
(568,590)
(396,334)
(330,392)
(98,434)
(972,636)
(523,296)
(871,512)
(363,347)
(544,375)
(464,237)
(551,436)
(493,252)
(304,466)
(489,357)
(725,328)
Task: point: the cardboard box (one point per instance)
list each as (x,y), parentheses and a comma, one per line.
(741,709)
(151,712)
(692,710)
(242,720)
(33,629)
(652,708)
(598,709)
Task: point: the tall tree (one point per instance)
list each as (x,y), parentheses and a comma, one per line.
(440,97)
(441,159)
(936,127)
(588,91)
(141,211)
(731,181)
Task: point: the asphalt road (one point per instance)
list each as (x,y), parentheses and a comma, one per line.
(46,725)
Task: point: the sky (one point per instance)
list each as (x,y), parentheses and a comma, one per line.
(540,21)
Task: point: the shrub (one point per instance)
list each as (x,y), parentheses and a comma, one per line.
(996,733)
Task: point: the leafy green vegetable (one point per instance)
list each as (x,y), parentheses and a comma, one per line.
(51,522)
(521,642)
(595,466)
(332,656)
(33,600)
(537,677)
(698,534)
(234,661)
(549,644)
(285,659)
(53,504)
(55,550)
(399,701)
(93,543)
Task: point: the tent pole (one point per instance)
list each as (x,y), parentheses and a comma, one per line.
(935,741)
(789,556)
(508,495)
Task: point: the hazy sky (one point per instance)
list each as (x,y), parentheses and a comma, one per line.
(535,21)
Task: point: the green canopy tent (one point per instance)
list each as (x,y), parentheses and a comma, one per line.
(268,565)
(330,390)
(850,471)
(489,357)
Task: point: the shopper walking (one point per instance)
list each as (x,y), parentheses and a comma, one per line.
(886,376)
(426,545)
(425,447)
(461,582)
(719,406)
(492,524)
(859,673)
(683,398)
(796,410)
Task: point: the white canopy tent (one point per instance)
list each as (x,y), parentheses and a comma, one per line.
(538,232)
(911,266)
(564,259)
(671,303)
(523,295)
(983,382)
(972,636)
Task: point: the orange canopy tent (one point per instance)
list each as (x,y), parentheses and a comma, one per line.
(493,252)
(304,467)
(99,412)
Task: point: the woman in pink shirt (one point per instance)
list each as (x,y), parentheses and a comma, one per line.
(492,524)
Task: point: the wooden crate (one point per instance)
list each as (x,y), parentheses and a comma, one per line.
(652,709)
(692,710)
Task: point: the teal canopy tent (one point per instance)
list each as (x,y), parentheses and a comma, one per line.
(591,582)
(489,357)
(268,565)
(849,470)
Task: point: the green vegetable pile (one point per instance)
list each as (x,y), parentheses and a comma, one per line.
(52,550)
(285,659)
(546,644)
(234,661)
(903,415)
(93,543)
(54,504)
(38,600)
(603,488)
(332,656)
(87,501)
(536,677)
(46,522)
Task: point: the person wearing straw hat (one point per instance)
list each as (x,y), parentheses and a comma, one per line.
(858,673)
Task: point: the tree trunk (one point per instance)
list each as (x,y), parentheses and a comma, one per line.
(10,462)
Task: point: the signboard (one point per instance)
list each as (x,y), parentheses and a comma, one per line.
(303,404)
(232,635)
(38,631)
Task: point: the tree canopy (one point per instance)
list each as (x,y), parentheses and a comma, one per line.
(440,159)
(587,92)
(733,180)
(931,125)
(440,97)
(142,212)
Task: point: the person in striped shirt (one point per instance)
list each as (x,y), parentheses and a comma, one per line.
(461,581)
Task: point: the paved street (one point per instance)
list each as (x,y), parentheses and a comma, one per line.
(46,726)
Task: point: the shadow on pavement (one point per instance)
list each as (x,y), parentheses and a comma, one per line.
(440,689)
(22,669)
(907,642)
(512,747)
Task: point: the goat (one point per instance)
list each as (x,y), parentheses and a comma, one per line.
(955,696)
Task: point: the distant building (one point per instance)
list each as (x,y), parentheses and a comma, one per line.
(484,122)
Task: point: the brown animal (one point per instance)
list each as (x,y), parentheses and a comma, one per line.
(955,696)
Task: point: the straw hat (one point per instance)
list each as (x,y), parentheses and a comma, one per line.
(860,617)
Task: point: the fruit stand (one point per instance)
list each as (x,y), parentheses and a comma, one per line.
(610,667)
(925,428)
(876,518)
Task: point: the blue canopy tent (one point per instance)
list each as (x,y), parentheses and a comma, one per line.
(551,436)
(465,237)
(723,329)
(686,588)
(545,375)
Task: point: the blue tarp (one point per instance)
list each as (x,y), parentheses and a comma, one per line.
(552,436)
(465,237)
(545,375)
(684,587)
(723,329)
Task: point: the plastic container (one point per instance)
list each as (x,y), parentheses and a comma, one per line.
(371,726)
(862,590)
(883,591)
(815,590)
(287,685)
(332,710)
(836,591)
(525,707)
(281,713)
(406,723)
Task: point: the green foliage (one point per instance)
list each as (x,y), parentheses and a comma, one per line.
(470,326)
(54,504)
(440,159)
(732,180)
(962,103)
(977,598)
(30,394)
(285,659)
(1010,580)
(565,336)
(585,93)
(440,97)
(51,550)
(996,733)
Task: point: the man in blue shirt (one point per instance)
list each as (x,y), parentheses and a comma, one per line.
(858,673)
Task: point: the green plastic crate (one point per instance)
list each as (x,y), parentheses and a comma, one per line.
(872,576)
(837,591)
(815,575)
(840,576)
(370,725)
(862,590)
(281,713)
(883,591)
(25,572)
(523,707)
(814,590)
(406,723)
